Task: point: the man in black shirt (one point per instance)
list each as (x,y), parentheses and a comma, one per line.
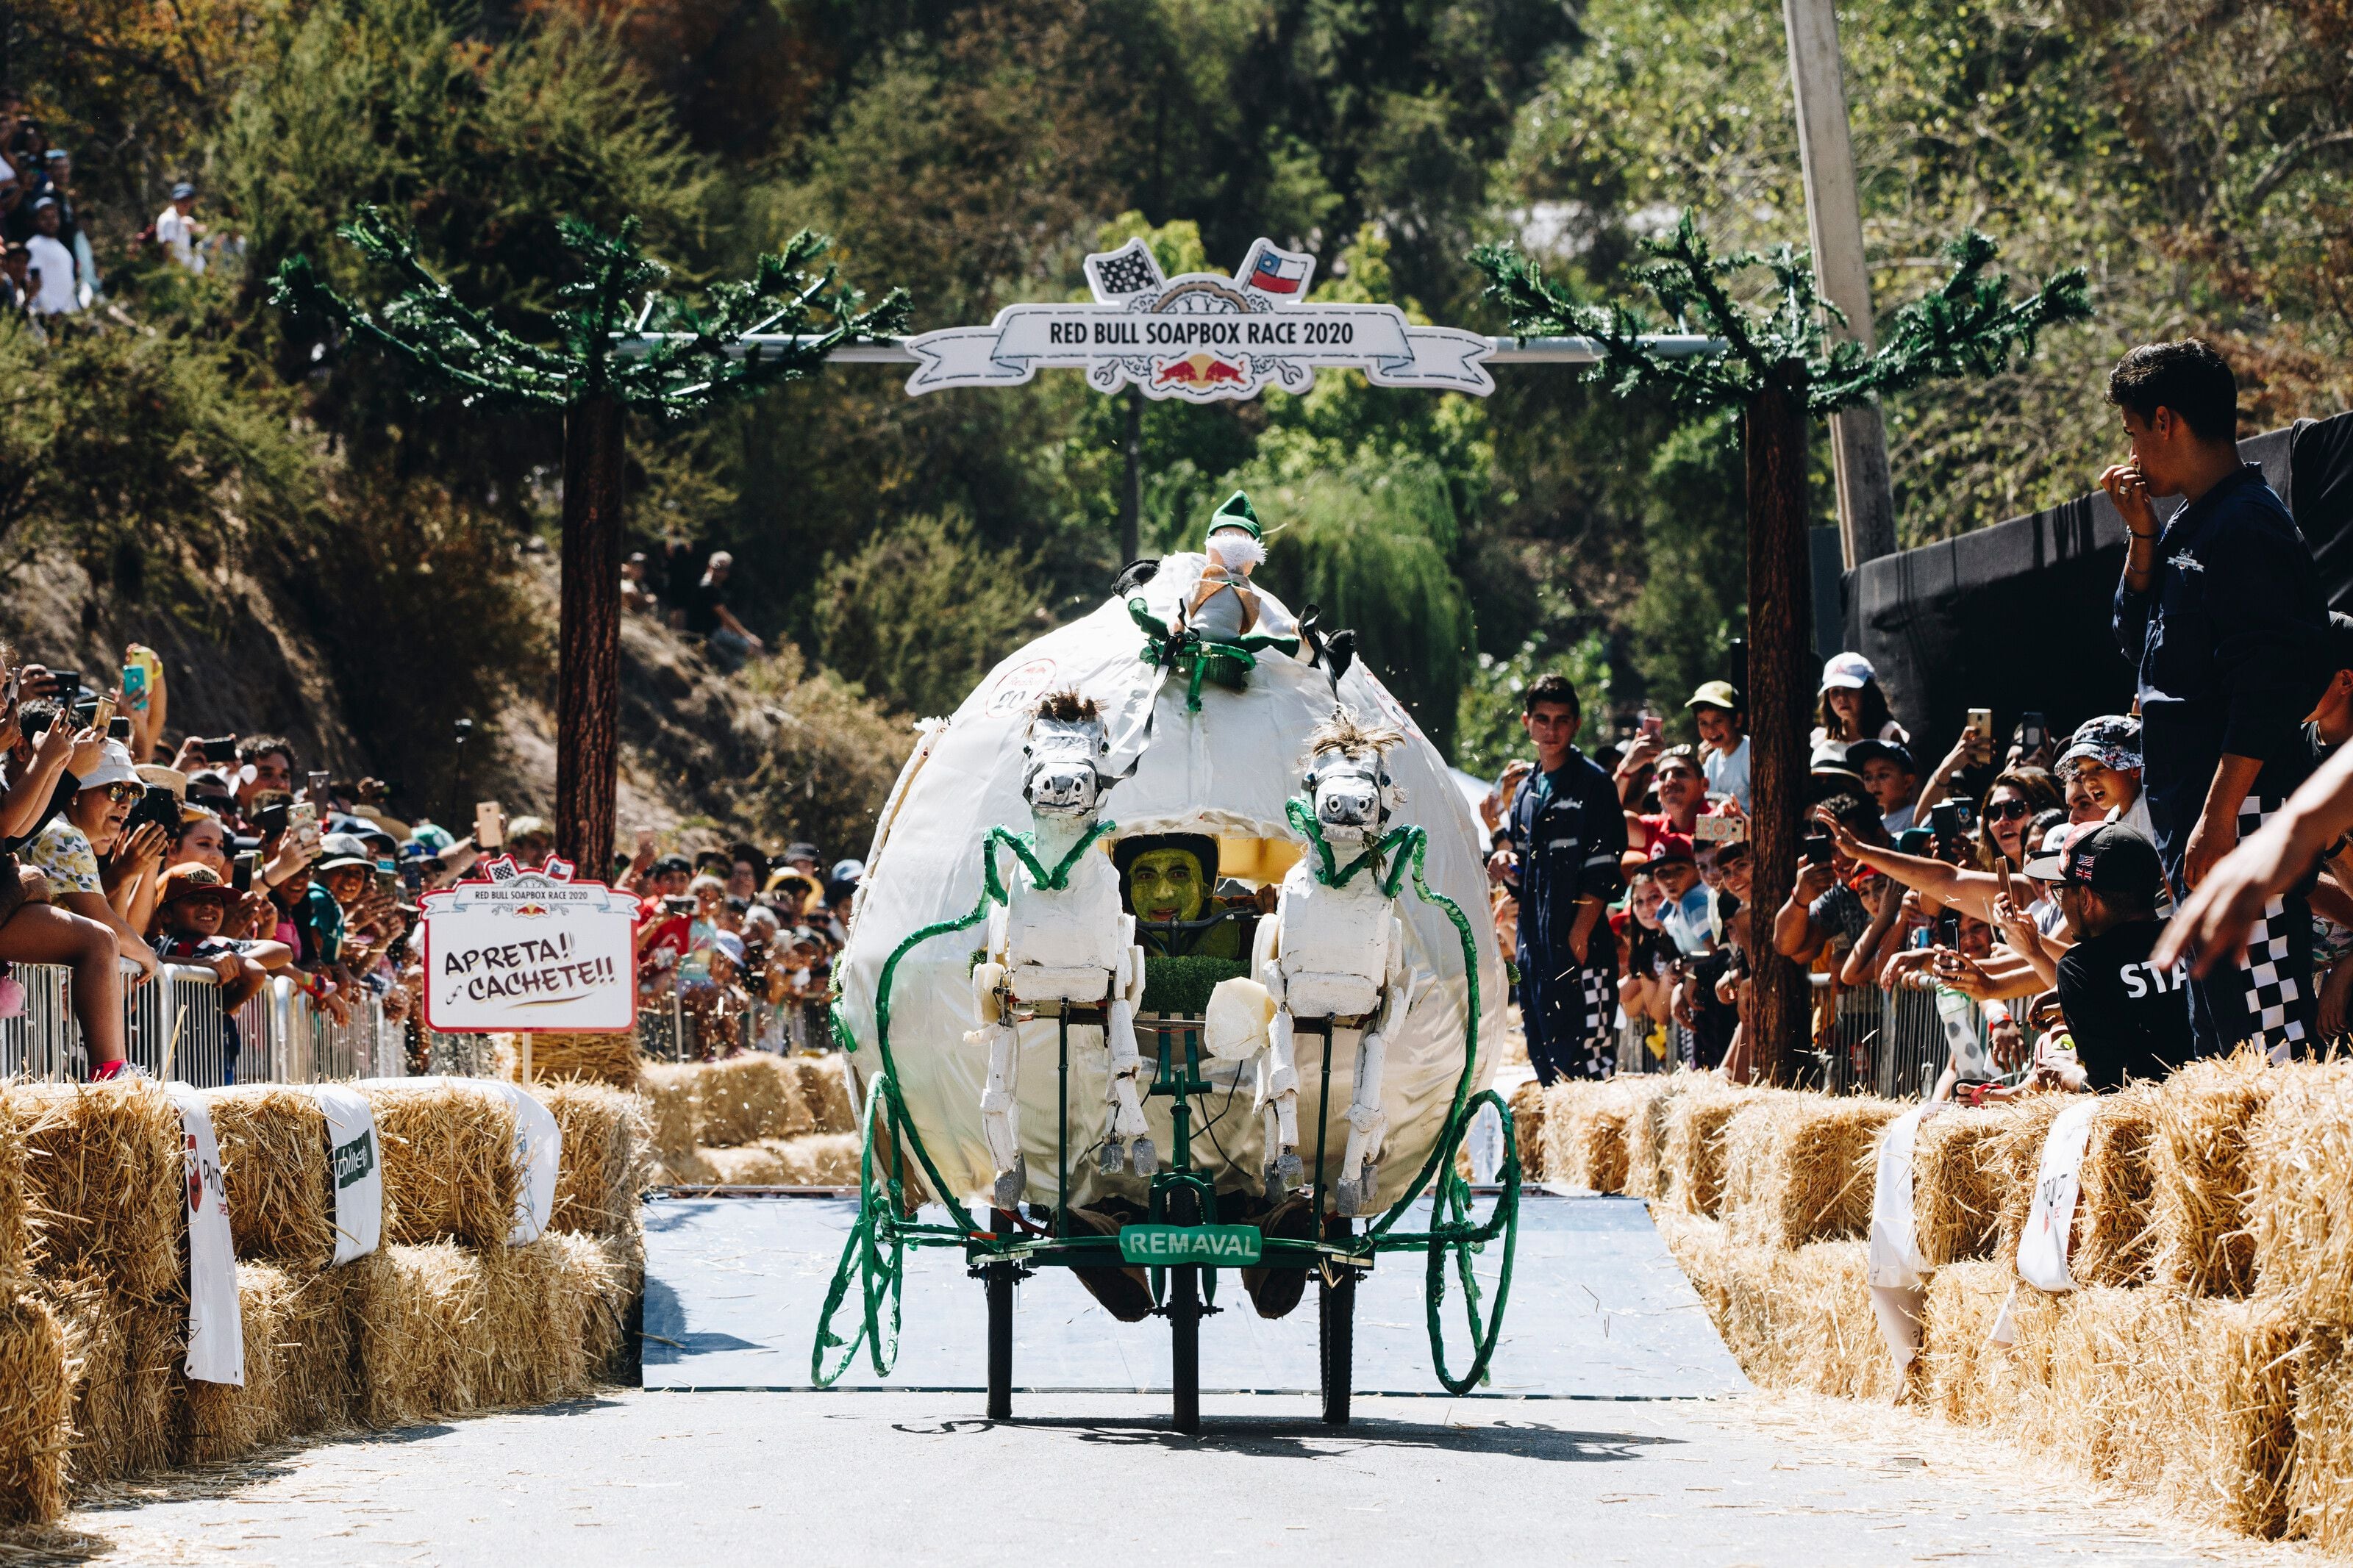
(708,616)
(2125,1012)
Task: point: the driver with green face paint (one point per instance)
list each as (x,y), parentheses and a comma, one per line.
(1172,877)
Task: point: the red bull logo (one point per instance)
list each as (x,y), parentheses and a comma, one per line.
(530,909)
(1199,370)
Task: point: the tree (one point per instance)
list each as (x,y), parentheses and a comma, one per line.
(1778,368)
(678,361)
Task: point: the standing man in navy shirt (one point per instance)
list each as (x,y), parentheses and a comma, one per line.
(1559,849)
(2221,608)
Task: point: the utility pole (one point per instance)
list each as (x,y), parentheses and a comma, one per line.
(1866,499)
(1131,500)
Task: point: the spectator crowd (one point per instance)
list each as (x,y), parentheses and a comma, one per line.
(2025,882)
(121,852)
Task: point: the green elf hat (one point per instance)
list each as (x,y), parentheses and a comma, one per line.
(1236,513)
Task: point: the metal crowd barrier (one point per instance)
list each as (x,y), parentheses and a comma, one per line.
(1889,1043)
(175,1028)
(672,1031)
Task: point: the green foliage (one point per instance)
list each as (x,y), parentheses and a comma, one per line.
(922,612)
(1968,326)
(1692,603)
(1488,732)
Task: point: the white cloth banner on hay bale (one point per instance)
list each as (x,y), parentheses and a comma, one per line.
(355,1159)
(216,1326)
(538,1153)
(2050,1230)
(1898,1283)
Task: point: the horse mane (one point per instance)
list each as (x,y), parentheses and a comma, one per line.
(1343,733)
(1067,708)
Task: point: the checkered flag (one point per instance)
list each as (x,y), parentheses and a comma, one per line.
(1130,270)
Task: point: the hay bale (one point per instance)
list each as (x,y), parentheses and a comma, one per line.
(35,1411)
(1584,1134)
(123,1357)
(448,1162)
(1798,1168)
(2230,1407)
(1699,1248)
(15,1219)
(281,1193)
(2299,1207)
(1527,1103)
(2113,1237)
(102,1176)
(2320,1492)
(607,1058)
(2201,1170)
(607,1274)
(817,1159)
(674,1105)
(747,1098)
(1694,1163)
(603,1164)
(824,1084)
(1965,1377)
(1967,1166)
(1803,1318)
(298,1365)
(444,1330)
(1647,1174)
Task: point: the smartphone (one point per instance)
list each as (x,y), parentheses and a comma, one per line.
(242,868)
(1817,849)
(412,877)
(1718,829)
(1948,930)
(220,748)
(1944,818)
(141,671)
(134,685)
(272,818)
(490,826)
(2033,732)
(387,881)
(118,728)
(1652,724)
(677,906)
(302,823)
(319,782)
(1981,726)
(65,685)
(102,715)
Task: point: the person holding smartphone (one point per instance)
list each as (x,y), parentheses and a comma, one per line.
(1722,719)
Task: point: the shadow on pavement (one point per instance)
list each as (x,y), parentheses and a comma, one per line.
(1294,1437)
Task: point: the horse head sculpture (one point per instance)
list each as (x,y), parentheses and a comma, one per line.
(1066,748)
(1346,783)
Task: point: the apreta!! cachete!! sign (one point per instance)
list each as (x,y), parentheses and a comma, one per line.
(526,950)
(1201,336)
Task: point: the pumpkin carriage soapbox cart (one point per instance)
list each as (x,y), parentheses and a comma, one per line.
(1171,959)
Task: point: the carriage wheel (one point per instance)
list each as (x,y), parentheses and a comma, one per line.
(1000,1278)
(1481,1303)
(1184,1344)
(1335,1312)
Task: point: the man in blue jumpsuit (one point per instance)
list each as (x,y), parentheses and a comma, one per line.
(2221,608)
(1558,849)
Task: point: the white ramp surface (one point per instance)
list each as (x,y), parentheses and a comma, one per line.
(1598,1310)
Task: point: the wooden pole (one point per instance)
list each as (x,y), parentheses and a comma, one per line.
(1780,684)
(1866,498)
(588,647)
(1131,502)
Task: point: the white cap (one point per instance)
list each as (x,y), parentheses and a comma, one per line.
(114,767)
(1850,671)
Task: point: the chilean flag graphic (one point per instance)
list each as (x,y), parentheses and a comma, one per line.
(1276,273)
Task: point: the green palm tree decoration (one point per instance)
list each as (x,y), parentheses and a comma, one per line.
(621,345)
(1781,369)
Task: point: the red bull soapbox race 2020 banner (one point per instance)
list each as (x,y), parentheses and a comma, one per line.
(1201,336)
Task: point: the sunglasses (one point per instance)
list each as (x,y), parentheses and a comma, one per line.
(2007,811)
(123,793)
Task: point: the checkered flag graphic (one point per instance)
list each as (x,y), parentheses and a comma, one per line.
(2281,1008)
(1130,269)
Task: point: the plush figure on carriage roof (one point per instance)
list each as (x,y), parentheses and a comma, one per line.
(1217,633)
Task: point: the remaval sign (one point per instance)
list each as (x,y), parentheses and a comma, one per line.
(1201,336)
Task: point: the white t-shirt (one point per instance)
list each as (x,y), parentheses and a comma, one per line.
(55,263)
(1728,774)
(1819,738)
(1899,819)
(2135,817)
(177,235)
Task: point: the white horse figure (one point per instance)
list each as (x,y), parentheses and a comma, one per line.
(1336,949)
(1061,936)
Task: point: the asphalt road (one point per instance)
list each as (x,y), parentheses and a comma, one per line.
(731,1477)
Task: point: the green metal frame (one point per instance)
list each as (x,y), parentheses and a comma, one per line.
(875,1253)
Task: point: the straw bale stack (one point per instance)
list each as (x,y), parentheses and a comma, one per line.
(15,1233)
(605,1058)
(747,1098)
(2222,1380)
(2201,1170)
(122,1355)
(674,1105)
(818,1159)
(282,1198)
(1692,1166)
(603,1164)
(824,1084)
(1584,1134)
(1527,1103)
(1799,1168)
(35,1411)
(1967,1379)
(448,1162)
(443,1329)
(2299,1207)
(298,1364)
(2111,1236)
(102,1174)
(1967,1166)
(607,1274)
(1699,1248)
(1646,1131)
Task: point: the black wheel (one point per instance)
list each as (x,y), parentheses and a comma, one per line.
(1185,1345)
(1336,1311)
(1000,1279)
